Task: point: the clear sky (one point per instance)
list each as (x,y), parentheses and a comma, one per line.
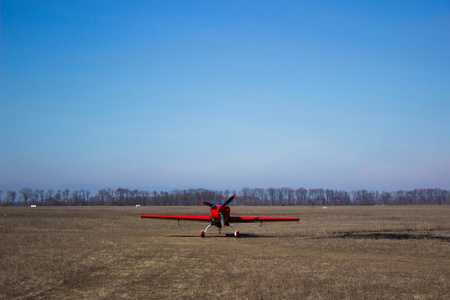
(225,94)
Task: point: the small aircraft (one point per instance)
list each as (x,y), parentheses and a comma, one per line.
(220,217)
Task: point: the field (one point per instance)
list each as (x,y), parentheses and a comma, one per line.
(377,252)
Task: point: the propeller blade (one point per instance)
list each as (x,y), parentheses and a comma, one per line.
(208,204)
(229,199)
(222,221)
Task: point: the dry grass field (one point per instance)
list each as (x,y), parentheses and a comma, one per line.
(380,252)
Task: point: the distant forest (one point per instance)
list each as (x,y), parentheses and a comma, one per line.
(246,196)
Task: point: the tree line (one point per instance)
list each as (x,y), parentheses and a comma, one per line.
(246,196)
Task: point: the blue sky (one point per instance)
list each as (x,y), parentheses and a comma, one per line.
(225,94)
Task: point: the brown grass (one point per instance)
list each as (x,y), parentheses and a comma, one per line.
(378,252)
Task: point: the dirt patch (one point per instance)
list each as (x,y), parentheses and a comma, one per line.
(392,236)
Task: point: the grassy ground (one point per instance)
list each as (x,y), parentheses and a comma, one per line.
(380,252)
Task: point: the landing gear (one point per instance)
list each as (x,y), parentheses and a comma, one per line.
(203,232)
(236,232)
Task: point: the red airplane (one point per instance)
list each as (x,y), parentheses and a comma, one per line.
(220,217)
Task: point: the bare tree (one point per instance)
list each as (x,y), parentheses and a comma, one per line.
(35,197)
(301,194)
(49,197)
(25,195)
(65,196)
(317,196)
(262,195)
(58,198)
(11,198)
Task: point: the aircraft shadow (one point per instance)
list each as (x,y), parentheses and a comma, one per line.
(228,235)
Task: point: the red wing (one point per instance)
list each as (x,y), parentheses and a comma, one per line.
(190,218)
(261,219)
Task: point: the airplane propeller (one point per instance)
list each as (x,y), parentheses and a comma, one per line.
(213,206)
(222,221)
(229,199)
(208,204)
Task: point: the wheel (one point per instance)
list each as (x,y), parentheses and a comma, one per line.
(236,234)
(202,233)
